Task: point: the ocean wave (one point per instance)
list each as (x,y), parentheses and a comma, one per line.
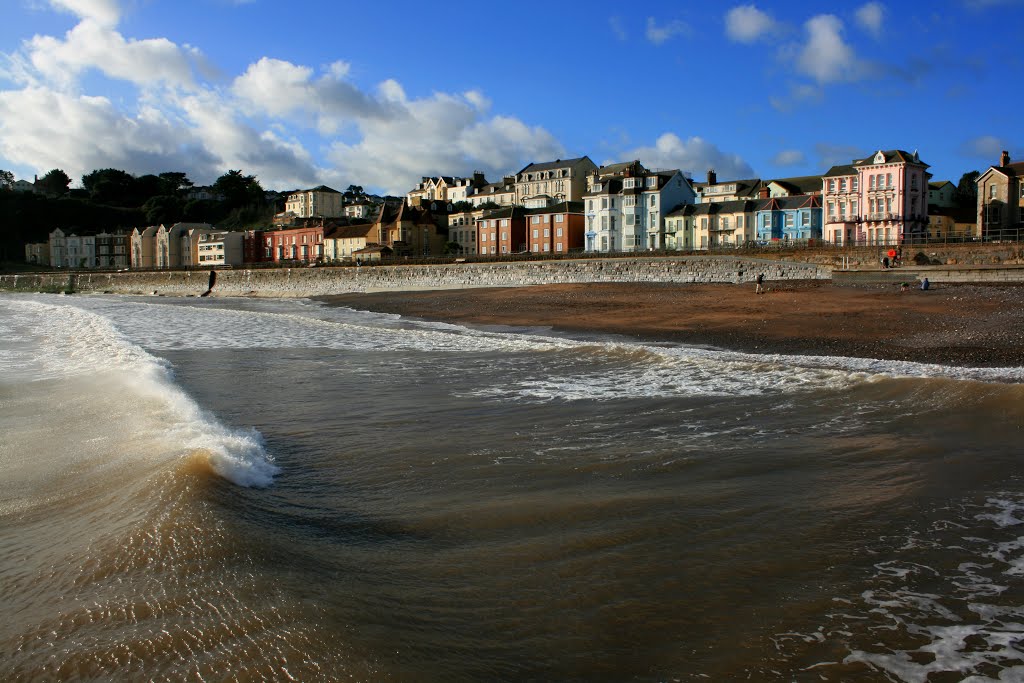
(77,367)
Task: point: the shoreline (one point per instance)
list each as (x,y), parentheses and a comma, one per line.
(955,325)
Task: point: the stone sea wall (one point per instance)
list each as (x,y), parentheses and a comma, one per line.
(285,282)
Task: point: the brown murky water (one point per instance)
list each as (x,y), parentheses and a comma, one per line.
(281,491)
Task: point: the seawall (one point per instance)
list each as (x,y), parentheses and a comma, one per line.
(293,282)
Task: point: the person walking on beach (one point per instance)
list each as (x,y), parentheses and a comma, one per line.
(759,281)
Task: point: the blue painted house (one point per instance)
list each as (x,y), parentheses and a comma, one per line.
(789,218)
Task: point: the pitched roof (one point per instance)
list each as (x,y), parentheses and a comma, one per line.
(938,184)
(802,201)
(844,169)
(561,207)
(352,231)
(807,184)
(891,156)
(551,165)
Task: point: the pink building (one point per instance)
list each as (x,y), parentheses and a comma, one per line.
(882,199)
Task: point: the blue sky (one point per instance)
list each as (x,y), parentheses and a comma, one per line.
(379,94)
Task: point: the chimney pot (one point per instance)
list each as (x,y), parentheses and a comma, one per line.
(1004,158)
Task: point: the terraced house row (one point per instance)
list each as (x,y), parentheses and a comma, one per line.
(574,205)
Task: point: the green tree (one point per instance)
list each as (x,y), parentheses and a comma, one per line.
(145,188)
(165,209)
(6,180)
(174,183)
(54,183)
(239,190)
(967,189)
(110,186)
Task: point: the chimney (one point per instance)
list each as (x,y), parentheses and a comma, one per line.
(764,192)
(712,177)
(1004,158)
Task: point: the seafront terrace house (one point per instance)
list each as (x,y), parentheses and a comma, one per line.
(626,204)
(882,199)
(726,191)
(1000,207)
(37,253)
(789,219)
(462,229)
(500,193)
(542,184)
(953,223)
(343,242)
(413,230)
(144,248)
(112,250)
(190,234)
(502,231)
(359,210)
(72,250)
(320,201)
(556,229)
(305,244)
(219,248)
(712,225)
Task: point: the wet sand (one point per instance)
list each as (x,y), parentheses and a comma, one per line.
(962,325)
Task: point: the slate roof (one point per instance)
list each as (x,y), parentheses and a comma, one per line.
(609,186)
(800,185)
(352,231)
(551,165)
(561,207)
(790,203)
(891,156)
(841,170)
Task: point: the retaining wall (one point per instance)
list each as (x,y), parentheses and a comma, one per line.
(283,282)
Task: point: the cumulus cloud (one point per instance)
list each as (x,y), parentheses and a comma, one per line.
(789,157)
(747,24)
(279,88)
(985,147)
(443,134)
(93,45)
(826,57)
(659,34)
(105,12)
(44,129)
(694,155)
(870,17)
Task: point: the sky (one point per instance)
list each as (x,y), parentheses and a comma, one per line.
(381,94)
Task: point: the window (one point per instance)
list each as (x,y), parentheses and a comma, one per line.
(654,200)
(559,218)
(831,209)
(628,182)
(558,232)
(703,223)
(483,237)
(832,185)
(853,208)
(604,202)
(842,184)
(991,191)
(504,222)
(888,179)
(590,205)
(547,232)
(547,218)
(790,222)
(871,182)
(842,209)
(547,247)
(629,219)
(504,236)
(535,233)
(853,183)
(725,222)
(805,218)
(558,247)
(535,221)
(536,247)
(629,200)
(652,181)
(604,222)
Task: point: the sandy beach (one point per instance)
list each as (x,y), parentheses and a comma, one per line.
(962,325)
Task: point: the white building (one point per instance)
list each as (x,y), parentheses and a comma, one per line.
(219,248)
(72,251)
(626,204)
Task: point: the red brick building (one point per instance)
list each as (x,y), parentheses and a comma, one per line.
(556,229)
(304,244)
(502,231)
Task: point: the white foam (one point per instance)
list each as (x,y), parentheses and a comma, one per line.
(69,343)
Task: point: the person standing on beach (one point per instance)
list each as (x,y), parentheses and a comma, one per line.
(759,280)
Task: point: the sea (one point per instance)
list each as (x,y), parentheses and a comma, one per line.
(231,489)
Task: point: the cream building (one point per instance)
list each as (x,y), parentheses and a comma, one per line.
(551,182)
(319,201)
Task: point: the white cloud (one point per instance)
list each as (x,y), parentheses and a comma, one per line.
(92,45)
(44,129)
(870,18)
(985,147)
(747,24)
(797,95)
(826,57)
(440,134)
(659,34)
(789,157)
(105,12)
(694,155)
